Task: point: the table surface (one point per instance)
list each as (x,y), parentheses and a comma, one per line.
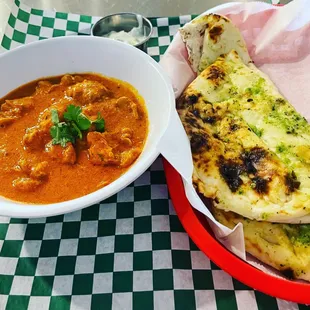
(104,7)
(129,252)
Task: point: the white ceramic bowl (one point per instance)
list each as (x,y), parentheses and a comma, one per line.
(78,54)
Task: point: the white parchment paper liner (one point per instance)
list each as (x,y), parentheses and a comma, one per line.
(278,40)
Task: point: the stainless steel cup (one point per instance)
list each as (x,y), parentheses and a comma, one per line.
(125,22)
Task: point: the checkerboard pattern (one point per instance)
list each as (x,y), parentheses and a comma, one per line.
(128,252)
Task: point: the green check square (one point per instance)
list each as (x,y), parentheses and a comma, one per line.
(214,267)
(90,213)
(72,26)
(162,49)
(192,245)
(49,248)
(19,36)
(122,281)
(160,207)
(123,243)
(5,284)
(59,33)
(174,21)
(3,230)
(142,193)
(37,12)
(156,58)
(143,300)
(142,260)
(23,16)
(163,31)
(153,22)
(203,280)
(184,300)
(124,210)
(175,224)
(151,43)
(61,15)
(227,300)
(26,266)
(87,246)
(18,221)
(106,228)
(65,265)
(101,299)
(158,177)
(111,199)
(48,22)
(11,248)
(12,20)
(17,302)
(85,19)
(264,301)
(6,42)
(70,230)
(34,232)
(60,303)
(162,279)
(142,224)
(240,286)
(42,286)
(34,30)
(161,241)
(82,284)
(104,263)
(55,219)
(181,259)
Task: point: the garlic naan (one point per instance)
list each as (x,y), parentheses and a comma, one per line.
(282,246)
(251,149)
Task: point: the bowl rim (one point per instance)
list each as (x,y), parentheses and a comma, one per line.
(24,210)
(124,13)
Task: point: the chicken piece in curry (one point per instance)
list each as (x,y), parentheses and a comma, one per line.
(67,136)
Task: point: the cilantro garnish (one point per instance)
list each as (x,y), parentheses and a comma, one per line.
(71,129)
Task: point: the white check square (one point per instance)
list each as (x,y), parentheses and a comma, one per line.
(105,245)
(16,232)
(39,302)
(102,283)
(123,261)
(142,281)
(21,285)
(88,229)
(124,226)
(46,266)
(62,285)
(68,247)
(52,231)
(107,211)
(31,248)
(85,264)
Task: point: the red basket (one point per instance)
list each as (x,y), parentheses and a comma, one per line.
(200,232)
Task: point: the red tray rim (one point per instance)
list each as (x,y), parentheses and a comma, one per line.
(233,265)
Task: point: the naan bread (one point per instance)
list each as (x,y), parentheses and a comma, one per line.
(251,149)
(207,37)
(282,246)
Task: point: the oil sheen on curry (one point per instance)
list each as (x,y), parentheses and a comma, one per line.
(67,136)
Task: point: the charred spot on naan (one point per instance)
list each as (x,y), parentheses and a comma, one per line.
(215,74)
(231,171)
(215,32)
(199,141)
(291,182)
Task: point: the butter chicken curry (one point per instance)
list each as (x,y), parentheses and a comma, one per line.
(64,137)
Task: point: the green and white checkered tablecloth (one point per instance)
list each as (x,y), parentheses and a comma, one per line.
(128,252)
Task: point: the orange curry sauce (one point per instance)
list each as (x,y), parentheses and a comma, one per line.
(33,170)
